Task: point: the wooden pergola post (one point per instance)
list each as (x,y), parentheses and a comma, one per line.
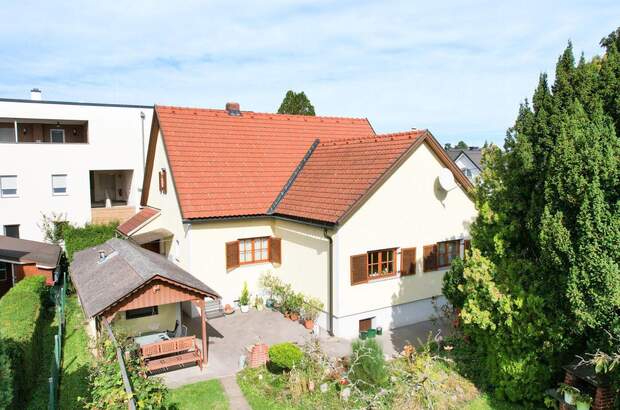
(203,321)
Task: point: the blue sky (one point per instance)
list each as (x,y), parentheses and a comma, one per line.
(459,68)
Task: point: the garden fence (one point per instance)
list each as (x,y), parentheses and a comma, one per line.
(121,364)
(59,294)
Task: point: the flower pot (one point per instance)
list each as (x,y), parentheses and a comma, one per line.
(363,335)
(245,308)
(569,397)
(269,303)
(371,333)
(582,406)
(294,317)
(379,330)
(229,310)
(309,324)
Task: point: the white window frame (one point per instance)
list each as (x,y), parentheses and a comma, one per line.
(63,135)
(66,184)
(2,194)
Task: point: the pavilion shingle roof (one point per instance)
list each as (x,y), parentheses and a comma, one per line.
(226,165)
(127,267)
(340,172)
(25,251)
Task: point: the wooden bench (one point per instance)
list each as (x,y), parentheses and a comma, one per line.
(177,351)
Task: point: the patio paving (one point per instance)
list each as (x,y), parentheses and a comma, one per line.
(229,337)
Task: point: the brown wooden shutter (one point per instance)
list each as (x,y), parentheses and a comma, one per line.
(407,261)
(466,246)
(232,254)
(163,181)
(359,269)
(275,250)
(430,258)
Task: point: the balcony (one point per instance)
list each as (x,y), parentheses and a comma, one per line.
(110,192)
(30,131)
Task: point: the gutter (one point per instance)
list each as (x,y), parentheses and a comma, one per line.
(330,268)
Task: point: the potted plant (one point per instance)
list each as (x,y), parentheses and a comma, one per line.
(312,308)
(570,393)
(583,401)
(258,303)
(244,299)
(293,304)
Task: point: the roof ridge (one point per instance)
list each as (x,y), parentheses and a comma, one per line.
(260,113)
(293,177)
(344,141)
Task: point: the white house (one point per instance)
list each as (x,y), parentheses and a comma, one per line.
(83,161)
(358,220)
(468,160)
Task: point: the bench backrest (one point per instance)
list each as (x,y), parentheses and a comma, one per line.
(176,345)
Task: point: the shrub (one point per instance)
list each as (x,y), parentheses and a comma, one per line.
(6,381)
(285,356)
(106,385)
(78,238)
(368,368)
(21,312)
(312,307)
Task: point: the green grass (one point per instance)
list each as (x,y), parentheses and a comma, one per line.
(76,357)
(486,402)
(202,395)
(40,392)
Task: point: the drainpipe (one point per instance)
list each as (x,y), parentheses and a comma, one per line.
(142,116)
(330,305)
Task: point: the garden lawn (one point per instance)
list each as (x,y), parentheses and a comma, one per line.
(76,357)
(202,395)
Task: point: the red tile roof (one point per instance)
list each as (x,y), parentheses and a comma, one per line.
(226,165)
(146,213)
(340,172)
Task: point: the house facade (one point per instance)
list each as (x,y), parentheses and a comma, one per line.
(81,161)
(468,160)
(355,219)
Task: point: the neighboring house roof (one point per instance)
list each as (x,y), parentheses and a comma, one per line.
(236,165)
(126,268)
(341,172)
(145,215)
(21,251)
(475,155)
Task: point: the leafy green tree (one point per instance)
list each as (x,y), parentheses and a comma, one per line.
(296,103)
(543,280)
(461,145)
(447,146)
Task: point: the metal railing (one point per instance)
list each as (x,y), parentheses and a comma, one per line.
(59,295)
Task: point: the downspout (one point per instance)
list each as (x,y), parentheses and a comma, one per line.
(330,304)
(142,116)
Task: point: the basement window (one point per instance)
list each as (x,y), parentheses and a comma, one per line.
(8,186)
(141,312)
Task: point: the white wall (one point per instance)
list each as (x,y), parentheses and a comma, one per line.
(464,163)
(408,210)
(114,143)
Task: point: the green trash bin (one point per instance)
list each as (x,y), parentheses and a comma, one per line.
(363,335)
(371,333)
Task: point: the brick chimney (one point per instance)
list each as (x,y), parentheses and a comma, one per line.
(233,108)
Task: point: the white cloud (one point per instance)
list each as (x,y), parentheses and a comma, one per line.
(458,68)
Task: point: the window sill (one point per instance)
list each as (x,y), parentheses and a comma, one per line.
(9,196)
(241,265)
(60,194)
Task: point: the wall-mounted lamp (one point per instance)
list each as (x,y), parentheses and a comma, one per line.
(75,131)
(58,123)
(25,131)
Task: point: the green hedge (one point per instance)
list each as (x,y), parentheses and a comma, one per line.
(77,239)
(21,311)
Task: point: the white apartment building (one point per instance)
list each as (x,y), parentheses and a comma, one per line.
(83,161)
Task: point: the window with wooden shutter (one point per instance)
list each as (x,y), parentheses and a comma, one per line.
(447,251)
(232,254)
(430,258)
(407,261)
(163,181)
(359,269)
(275,249)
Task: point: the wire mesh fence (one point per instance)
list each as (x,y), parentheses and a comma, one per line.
(59,295)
